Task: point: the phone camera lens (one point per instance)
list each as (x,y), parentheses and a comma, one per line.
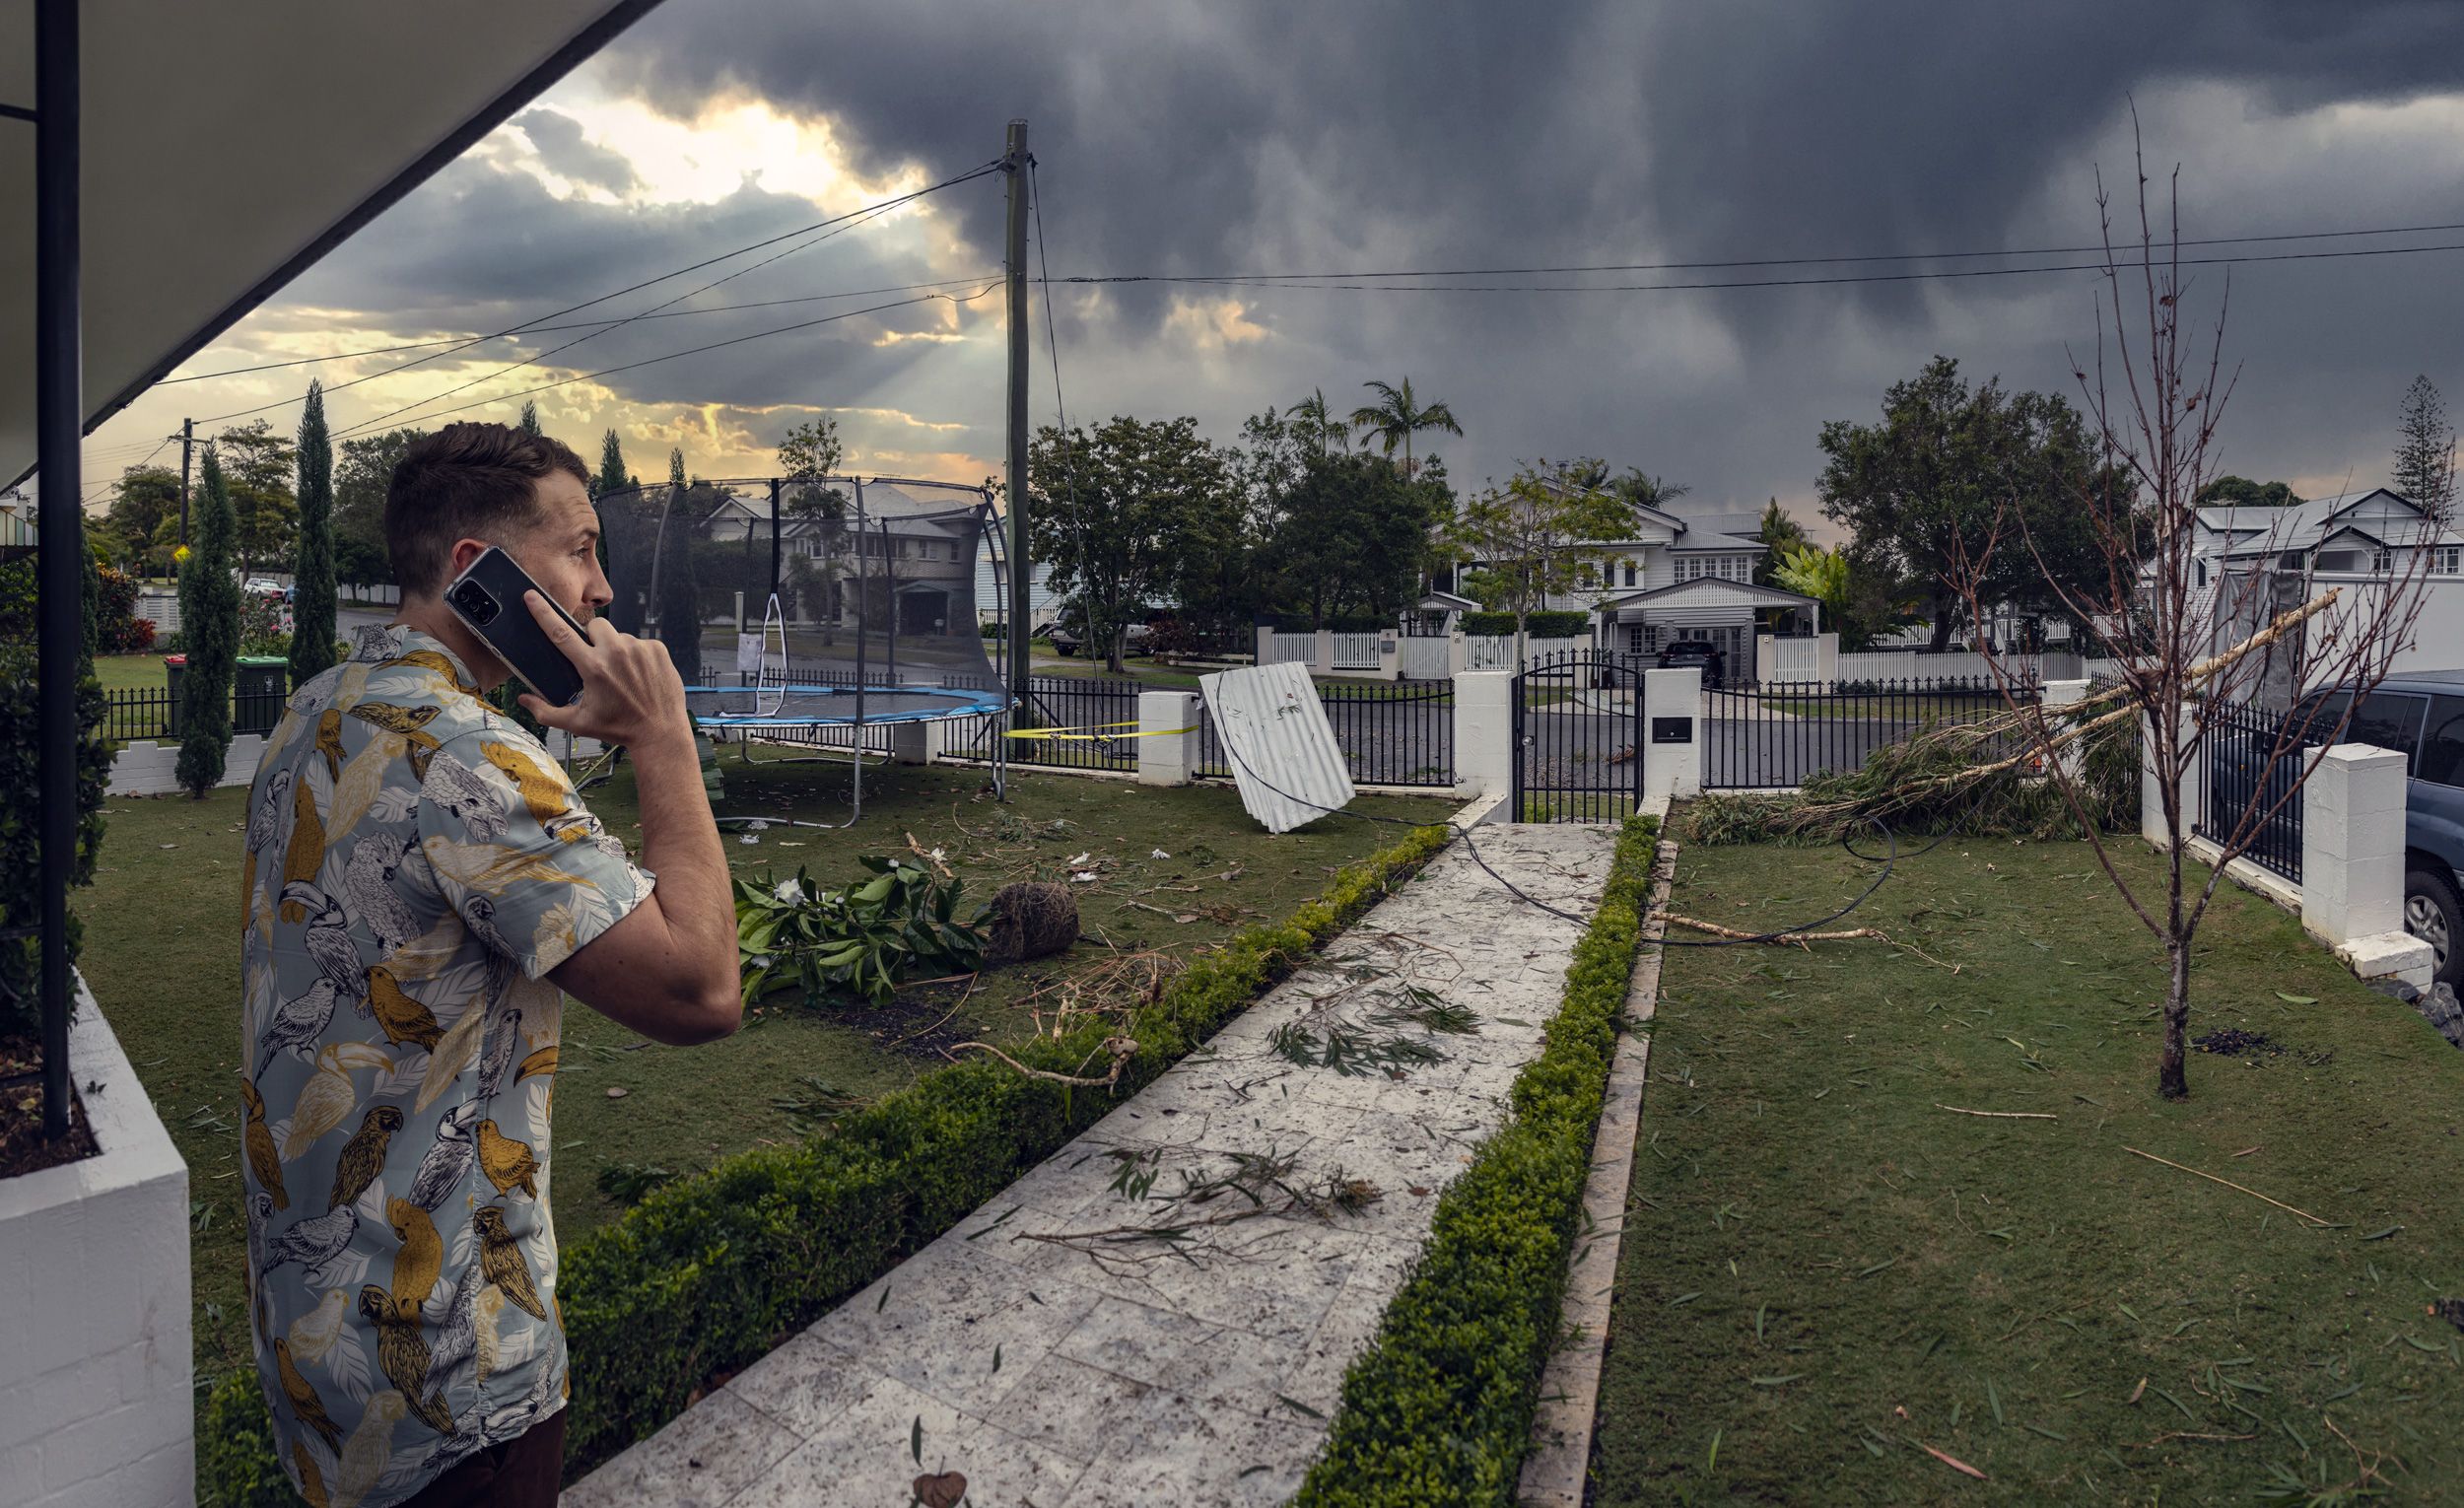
(475,603)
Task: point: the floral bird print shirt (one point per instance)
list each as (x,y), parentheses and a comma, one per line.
(416,865)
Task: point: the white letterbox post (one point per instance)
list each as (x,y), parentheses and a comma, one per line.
(1483,732)
(1673,733)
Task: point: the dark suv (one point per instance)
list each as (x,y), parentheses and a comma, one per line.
(2419,715)
(1685,653)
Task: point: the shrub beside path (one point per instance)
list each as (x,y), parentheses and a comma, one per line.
(1163,1311)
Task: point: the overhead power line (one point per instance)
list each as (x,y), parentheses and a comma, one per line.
(1361,279)
(785,329)
(546,329)
(866,212)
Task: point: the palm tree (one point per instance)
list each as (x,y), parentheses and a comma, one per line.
(1316,425)
(1396,419)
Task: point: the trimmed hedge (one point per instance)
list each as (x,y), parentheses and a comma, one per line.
(708,1275)
(1537,624)
(1439,1408)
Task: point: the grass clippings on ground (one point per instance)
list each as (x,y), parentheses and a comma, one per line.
(1946,1295)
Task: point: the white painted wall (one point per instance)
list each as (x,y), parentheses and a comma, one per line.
(96,1377)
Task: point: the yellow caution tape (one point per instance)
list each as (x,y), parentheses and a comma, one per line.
(1093,731)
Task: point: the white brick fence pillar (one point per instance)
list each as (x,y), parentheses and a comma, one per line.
(1167,738)
(1483,732)
(2194,787)
(2353,863)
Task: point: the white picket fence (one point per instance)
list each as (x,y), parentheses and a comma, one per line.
(1495,652)
(1355,651)
(1300,648)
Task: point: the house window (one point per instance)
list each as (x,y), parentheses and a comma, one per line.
(1629,571)
(2447,560)
(2200,572)
(2381,560)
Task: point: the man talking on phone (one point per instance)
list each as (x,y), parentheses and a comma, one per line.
(423,886)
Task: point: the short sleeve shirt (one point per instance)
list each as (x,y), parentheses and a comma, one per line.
(416,863)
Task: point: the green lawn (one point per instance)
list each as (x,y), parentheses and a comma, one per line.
(1825,1271)
(129,672)
(161,956)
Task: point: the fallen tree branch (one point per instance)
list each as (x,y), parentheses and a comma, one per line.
(1797,939)
(2229,1184)
(1953,1462)
(1999,1115)
(1121,1048)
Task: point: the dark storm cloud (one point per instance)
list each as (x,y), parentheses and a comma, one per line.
(486,247)
(1180,138)
(557,137)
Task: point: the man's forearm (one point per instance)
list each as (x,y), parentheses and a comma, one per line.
(680,845)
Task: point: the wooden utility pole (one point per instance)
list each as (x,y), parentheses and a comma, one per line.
(188,438)
(1020,570)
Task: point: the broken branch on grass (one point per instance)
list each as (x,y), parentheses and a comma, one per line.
(2177,1434)
(954,1010)
(1999,1115)
(2229,1184)
(1953,1462)
(1121,1048)
(1797,939)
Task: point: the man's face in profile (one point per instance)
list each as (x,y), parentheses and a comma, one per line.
(562,553)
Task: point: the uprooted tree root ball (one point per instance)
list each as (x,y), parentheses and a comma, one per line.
(1032,919)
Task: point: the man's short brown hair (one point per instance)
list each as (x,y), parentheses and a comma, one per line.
(466,481)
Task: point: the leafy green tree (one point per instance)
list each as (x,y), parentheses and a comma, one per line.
(1644,490)
(209,618)
(2241,492)
(530,417)
(1109,511)
(1396,416)
(1314,423)
(312,609)
(811,451)
(1353,535)
(2425,465)
(258,464)
(141,500)
(612,475)
(363,473)
(1955,476)
(1780,535)
(90,609)
(1536,537)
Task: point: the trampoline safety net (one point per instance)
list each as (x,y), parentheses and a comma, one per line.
(795,603)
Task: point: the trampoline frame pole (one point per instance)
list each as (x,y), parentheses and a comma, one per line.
(862,595)
(1021,610)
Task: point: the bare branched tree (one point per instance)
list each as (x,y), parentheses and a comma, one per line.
(2197,638)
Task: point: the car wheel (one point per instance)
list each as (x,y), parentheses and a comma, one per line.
(2432,914)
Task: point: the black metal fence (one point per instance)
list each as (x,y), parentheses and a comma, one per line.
(152,712)
(1391,732)
(1101,715)
(2245,777)
(1776,735)
(1579,722)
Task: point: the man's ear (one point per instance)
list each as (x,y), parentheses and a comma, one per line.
(464,552)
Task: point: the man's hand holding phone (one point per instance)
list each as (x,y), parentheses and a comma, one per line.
(630,692)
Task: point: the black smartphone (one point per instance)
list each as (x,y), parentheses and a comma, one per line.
(487,598)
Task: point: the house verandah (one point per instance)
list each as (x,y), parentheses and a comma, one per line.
(1709,608)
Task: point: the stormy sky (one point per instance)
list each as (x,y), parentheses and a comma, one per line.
(1187,140)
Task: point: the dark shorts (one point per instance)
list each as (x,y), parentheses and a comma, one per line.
(522,1472)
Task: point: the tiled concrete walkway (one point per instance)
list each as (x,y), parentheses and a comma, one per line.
(1055,1355)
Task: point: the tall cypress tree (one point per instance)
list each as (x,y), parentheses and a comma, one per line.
(679,588)
(90,643)
(312,609)
(611,467)
(530,416)
(209,617)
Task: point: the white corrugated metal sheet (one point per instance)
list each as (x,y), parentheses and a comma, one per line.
(1276,739)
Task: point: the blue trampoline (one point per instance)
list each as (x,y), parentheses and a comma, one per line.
(814,611)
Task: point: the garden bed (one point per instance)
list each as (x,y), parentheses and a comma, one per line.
(161,949)
(1829,1276)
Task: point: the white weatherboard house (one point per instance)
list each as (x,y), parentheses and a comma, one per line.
(1684,578)
(2361,541)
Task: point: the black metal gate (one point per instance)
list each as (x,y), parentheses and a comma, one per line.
(1774,735)
(1577,738)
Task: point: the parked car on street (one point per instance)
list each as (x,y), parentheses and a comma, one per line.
(1067,638)
(1685,653)
(261,587)
(2419,715)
